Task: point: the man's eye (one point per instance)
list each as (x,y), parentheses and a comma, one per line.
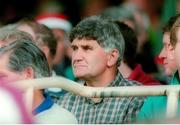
(74,48)
(87,48)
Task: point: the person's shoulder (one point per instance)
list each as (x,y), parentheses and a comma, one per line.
(56,114)
(67,100)
(156,99)
(62,97)
(154,107)
(57,109)
(132,82)
(69,96)
(154,102)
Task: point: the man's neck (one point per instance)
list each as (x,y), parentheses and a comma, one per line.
(38,98)
(125,70)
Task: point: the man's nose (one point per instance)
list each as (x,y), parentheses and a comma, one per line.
(159,60)
(78,55)
(162,54)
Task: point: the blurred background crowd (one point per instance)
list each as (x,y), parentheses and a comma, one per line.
(147,16)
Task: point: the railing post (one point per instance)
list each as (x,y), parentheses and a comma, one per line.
(172,103)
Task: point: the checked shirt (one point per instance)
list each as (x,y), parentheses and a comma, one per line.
(108,110)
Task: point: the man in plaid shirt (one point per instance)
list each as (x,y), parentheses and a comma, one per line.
(97,49)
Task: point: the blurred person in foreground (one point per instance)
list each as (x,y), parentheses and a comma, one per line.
(154,108)
(22,59)
(97,50)
(13,108)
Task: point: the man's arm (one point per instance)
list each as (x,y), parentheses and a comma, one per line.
(153,109)
(133,109)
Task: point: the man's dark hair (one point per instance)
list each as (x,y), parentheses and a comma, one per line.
(167,27)
(131,43)
(101,29)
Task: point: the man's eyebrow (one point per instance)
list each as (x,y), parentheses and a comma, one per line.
(87,46)
(73,45)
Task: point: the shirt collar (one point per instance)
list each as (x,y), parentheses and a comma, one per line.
(116,82)
(175,79)
(45,105)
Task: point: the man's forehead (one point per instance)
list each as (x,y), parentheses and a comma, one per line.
(84,42)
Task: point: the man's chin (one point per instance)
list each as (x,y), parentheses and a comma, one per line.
(79,75)
(168,73)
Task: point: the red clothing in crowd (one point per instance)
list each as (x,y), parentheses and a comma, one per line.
(139,75)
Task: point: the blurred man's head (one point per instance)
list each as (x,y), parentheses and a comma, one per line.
(42,35)
(134,18)
(175,41)
(22,59)
(166,53)
(131,44)
(61,27)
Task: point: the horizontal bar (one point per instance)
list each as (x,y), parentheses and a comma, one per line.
(171,91)
(86,91)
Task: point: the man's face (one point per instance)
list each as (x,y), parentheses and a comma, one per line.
(89,60)
(5,73)
(166,54)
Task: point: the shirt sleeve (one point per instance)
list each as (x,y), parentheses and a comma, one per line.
(133,109)
(145,113)
(153,109)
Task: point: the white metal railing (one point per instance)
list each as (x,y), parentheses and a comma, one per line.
(171,91)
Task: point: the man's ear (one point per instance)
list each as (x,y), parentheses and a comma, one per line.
(28,73)
(113,57)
